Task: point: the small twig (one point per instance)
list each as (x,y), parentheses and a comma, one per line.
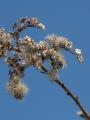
(73,97)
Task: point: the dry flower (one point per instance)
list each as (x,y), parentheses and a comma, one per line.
(5,42)
(79,55)
(28,53)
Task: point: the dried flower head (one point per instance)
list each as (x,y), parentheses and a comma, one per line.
(59,42)
(18,90)
(28,53)
(5,42)
(79,55)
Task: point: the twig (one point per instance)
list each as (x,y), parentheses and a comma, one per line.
(73,97)
(83,113)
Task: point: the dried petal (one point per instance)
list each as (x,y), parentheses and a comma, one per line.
(79,55)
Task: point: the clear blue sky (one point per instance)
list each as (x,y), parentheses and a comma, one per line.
(45,100)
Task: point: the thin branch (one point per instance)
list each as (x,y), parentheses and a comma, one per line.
(73,97)
(83,113)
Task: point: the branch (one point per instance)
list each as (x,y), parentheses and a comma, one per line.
(74,98)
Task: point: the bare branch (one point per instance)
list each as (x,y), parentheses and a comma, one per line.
(74,98)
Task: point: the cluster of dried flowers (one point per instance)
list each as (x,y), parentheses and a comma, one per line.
(28,53)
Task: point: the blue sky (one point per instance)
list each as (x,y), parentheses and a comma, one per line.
(45,100)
